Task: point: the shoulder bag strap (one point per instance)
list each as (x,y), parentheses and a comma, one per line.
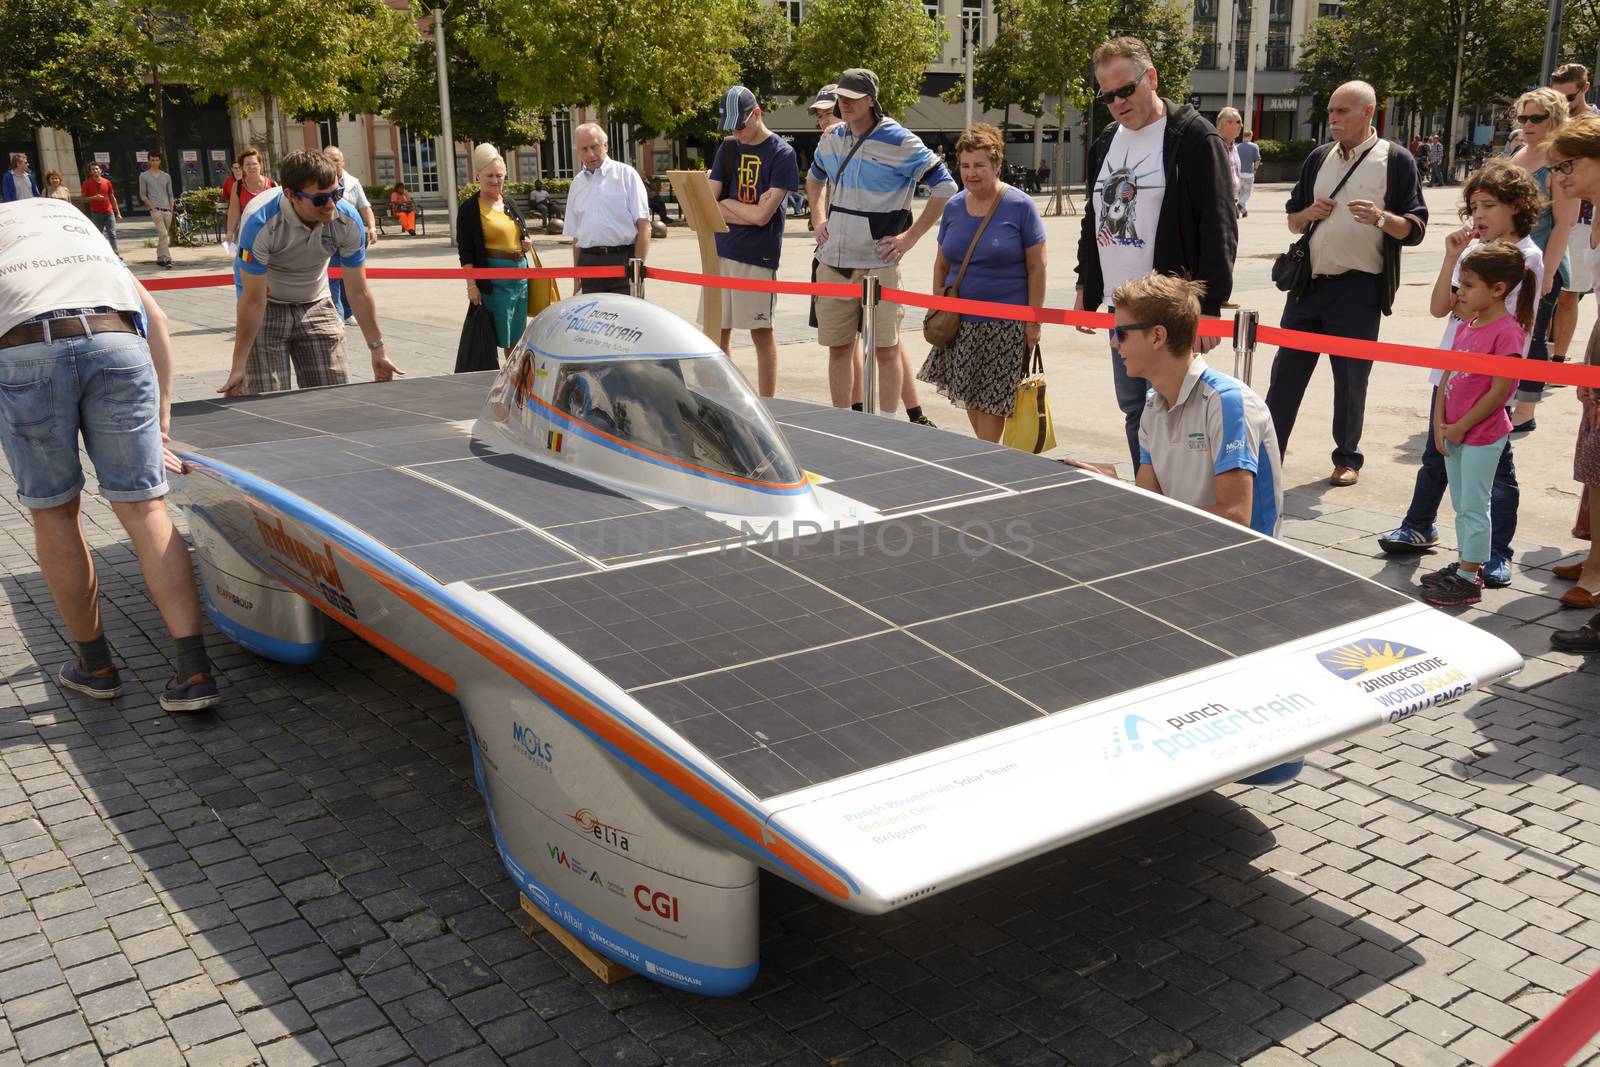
(1346,177)
(962,273)
(848,157)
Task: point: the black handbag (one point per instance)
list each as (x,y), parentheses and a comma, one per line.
(1291,271)
(477,350)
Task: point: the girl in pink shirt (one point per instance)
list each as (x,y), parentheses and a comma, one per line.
(1470,423)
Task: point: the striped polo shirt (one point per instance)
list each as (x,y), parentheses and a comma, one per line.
(295,257)
(880,181)
(1218,425)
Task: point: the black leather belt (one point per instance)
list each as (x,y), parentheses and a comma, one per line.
(39,330)
(606,250)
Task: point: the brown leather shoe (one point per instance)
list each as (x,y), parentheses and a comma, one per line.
(1343,476)
(1567,571)
(1579,597)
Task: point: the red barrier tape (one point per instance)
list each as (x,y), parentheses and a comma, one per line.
(1442,358)
(1558,1036)
(846,290)
(207,281)
(1375,351)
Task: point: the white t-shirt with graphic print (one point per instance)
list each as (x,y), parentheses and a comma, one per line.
(1128,193)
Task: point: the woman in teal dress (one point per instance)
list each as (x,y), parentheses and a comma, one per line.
(490,233)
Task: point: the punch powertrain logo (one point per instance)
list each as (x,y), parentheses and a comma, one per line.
(538,751)
(1217,729)
(613,837)
(1366,656)
(1403,679)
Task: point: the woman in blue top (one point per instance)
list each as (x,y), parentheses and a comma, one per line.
(980,369)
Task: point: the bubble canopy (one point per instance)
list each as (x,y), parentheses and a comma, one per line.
(696,409)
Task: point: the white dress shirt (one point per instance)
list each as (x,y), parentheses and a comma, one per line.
(604,205)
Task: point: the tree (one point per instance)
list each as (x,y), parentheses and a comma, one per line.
(1332,47)
(67,67)
(764,51)
(1040,60)
(303,57)
(895,39)
(479,111)
(657,60)
(1164,26)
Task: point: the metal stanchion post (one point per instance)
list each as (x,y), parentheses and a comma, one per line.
(1244,344)
(636,278)
(869,368)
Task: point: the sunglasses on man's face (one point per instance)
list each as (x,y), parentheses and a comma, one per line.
(1121,332)
(1525,119)
(1104,99)
(1572,97)
(332,196)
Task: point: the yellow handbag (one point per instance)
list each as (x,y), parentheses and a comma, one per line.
(542,292)
(1029,427)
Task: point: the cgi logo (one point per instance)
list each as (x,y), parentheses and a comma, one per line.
(539,752)
(660,904)
(608,835)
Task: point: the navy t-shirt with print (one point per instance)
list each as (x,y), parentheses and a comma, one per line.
(746,172)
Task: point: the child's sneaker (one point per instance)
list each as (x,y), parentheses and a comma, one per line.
(1433,578)
(1403,540)
(1456,591)
(1497,572)
(102,684)
(196,694)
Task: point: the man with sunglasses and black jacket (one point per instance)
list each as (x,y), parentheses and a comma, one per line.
(1160,197)
(288,238)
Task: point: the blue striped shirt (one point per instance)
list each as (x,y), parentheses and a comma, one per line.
(879,182)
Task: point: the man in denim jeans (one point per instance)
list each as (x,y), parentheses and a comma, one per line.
(84,351)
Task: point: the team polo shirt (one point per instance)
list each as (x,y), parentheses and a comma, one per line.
(1218,425)
(295,257)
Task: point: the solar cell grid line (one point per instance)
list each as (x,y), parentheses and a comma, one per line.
(504,514)
(911,461)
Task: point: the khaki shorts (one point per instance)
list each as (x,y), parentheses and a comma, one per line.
(839,319)
(743,310)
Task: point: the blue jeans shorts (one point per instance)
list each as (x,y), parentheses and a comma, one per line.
(103,387)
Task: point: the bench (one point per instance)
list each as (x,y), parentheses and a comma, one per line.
(382,214)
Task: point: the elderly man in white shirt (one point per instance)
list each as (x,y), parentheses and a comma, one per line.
(356,196)
(608,212)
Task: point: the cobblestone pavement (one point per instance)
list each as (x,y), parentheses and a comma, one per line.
(307,876)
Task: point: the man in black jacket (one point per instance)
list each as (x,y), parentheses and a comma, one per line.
(1132,225)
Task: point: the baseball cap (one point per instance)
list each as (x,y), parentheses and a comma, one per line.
(856,83)
(827,98)
(737,103)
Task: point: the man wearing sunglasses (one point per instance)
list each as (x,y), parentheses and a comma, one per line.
(1355,263)
(1572,82)
(753,172)
(1160,198)
(288,238)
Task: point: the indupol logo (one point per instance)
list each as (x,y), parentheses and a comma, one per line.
(1369,655)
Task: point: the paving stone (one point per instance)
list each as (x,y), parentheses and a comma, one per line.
(129,1031)
(56,1035)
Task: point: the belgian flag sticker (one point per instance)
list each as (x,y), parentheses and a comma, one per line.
(552,441)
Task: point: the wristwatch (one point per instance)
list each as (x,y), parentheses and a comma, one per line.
(1378,222)
(373,346)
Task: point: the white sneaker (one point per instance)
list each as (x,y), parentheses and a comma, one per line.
(349,320)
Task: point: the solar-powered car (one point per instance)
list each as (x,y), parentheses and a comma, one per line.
(695,634)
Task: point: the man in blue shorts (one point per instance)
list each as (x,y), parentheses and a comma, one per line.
(84,351)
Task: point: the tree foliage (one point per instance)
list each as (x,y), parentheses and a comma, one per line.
(895,39)
(66,66)
(763,53)
(1166,29)
(658,60)
(478,110)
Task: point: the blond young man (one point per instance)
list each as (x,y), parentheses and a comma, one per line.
(1204,438)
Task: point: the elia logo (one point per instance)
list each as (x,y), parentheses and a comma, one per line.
(661,905)
(531,746)
(611,836)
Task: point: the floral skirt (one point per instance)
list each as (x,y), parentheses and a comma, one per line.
(980,369)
